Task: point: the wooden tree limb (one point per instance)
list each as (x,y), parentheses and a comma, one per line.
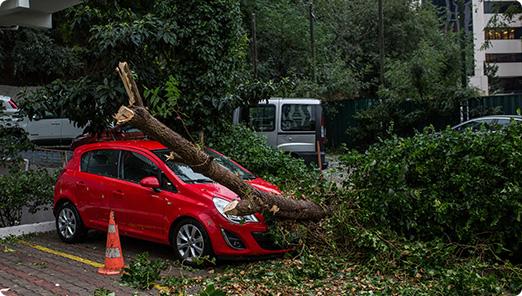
(130,85)
(252,199)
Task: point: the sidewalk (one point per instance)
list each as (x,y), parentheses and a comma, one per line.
(43,265)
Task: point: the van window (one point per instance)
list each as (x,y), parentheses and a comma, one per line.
(298,117)
(100,162)
(261,118)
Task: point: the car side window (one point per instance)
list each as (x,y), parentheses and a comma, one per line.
(100,162)
(475,125)
(136,166)
(503,121)
(166,184)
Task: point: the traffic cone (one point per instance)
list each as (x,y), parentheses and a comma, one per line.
(113,254)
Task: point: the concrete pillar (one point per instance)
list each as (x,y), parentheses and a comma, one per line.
(479,80)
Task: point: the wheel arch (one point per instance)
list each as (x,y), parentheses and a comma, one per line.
(208,227)
(60,201)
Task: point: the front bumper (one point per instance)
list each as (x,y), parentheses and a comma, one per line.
(250,239)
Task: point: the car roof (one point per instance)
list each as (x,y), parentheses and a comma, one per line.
(143,144)
(498,116)
(308,101)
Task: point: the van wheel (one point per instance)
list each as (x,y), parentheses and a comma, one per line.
(191,243)
(69,225)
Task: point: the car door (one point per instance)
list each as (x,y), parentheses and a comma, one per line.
(141,211)
(262,119)
(298,128)
(94,185)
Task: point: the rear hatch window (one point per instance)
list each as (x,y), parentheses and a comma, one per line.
(298,117)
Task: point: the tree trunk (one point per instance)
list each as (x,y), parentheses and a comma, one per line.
(252,199)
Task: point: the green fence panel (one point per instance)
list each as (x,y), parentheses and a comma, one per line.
(340,115)
(498,104)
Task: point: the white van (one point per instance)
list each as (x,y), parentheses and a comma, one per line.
(50,129)
(293,125)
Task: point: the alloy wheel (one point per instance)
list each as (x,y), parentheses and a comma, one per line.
(67,223)
(189,242)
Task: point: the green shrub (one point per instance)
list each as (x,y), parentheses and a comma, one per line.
(32,189)
(143,272)
(460,187)
(18,188)
(253,152)
(12,141)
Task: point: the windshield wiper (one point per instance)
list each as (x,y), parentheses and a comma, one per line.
(200,181)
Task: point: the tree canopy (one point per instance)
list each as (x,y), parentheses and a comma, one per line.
(192,58)
(188,53)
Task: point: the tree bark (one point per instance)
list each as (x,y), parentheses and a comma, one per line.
(252,199)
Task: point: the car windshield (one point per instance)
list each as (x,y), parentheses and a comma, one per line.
(186,174)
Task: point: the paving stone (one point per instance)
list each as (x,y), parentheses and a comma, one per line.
(28,271)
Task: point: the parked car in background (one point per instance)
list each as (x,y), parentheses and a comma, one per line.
(157,199)
(293,125)
(9,115)
(490,122)
(50,129)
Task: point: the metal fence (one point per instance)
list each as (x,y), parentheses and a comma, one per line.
(500,104)
(47,157)
(340,116)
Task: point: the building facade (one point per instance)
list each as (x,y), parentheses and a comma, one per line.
(31,13)
(497,33)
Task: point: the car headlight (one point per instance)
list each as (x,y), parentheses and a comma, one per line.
(220,206)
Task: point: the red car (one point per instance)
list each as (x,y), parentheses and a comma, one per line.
(156,199)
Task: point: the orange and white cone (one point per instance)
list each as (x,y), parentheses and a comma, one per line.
(113,255)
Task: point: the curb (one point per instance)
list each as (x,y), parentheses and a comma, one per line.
(26,229)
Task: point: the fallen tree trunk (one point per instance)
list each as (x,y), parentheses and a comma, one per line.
(252,199)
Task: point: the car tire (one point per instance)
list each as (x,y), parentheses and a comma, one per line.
(69,225)
(191,243)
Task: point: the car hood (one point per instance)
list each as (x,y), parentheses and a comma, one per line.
(210,190)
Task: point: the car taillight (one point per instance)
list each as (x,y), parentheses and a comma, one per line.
(12,103)
(323,129)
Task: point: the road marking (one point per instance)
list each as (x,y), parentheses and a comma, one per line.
(63,254)
(79,259)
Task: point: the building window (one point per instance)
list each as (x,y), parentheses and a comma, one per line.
(504,57)
(503,33)
(502,7)
(510,84)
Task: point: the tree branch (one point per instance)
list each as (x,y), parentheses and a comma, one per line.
(252,199)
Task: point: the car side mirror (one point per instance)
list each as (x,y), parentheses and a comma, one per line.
(150,182)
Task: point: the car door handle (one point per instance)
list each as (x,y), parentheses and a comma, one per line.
(290,138)
(82,184)
(165,199)
(118,193)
